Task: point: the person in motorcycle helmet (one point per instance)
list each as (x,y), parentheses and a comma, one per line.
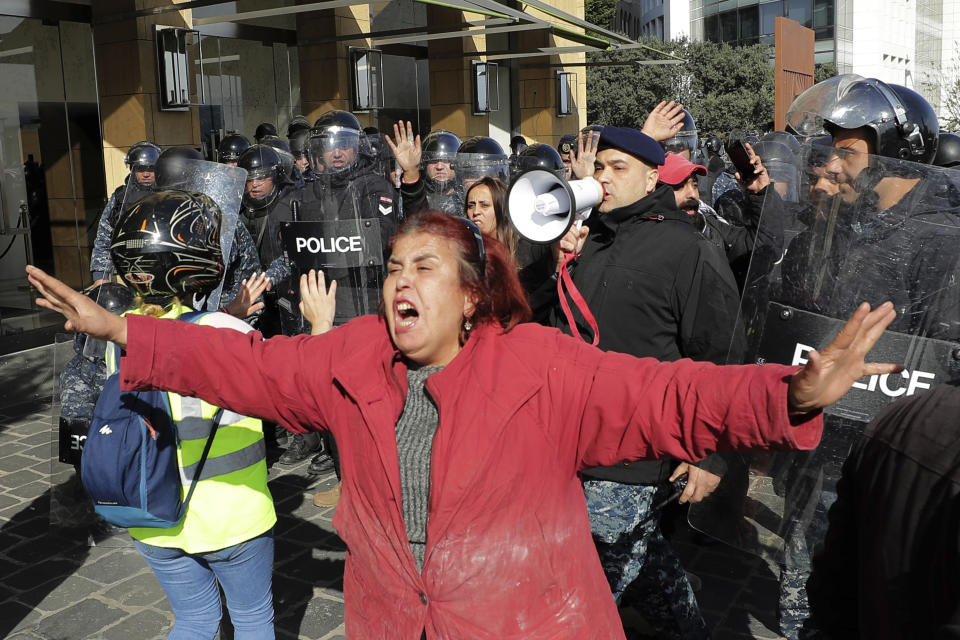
(230,148)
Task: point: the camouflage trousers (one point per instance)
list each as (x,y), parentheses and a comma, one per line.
(635,554)
(800,543)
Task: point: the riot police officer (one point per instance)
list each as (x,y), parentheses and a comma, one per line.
(948,150)
(264,129)
(267,202)
(684,142)
(538,156)
(349,191)
(301,154)
(893,238)
(481,156)
(141,160)
(298,124)
(230,148)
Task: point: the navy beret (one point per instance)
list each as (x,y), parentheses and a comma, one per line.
(567,143)
(637,144)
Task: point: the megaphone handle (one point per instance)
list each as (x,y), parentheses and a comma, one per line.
(564,278)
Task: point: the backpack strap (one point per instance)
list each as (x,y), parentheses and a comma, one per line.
(214,424)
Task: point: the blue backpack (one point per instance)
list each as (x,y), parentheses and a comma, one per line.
(129,466)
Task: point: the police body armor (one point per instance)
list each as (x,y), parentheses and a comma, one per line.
(346,220)
(866,228)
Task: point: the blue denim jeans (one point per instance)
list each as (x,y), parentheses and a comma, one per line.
(245,572)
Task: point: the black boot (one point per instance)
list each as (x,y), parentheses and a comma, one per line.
(302,446)
(321,463)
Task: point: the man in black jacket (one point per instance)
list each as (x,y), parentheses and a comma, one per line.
(657,288)
(890,566)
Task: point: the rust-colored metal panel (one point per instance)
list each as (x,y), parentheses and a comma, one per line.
(793,71)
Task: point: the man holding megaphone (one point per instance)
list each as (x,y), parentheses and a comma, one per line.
(656,288)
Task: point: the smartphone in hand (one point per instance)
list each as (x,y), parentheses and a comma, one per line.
(741,160)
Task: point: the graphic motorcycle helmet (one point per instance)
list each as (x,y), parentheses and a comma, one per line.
(168,244)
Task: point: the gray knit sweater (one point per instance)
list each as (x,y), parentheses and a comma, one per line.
(415,430)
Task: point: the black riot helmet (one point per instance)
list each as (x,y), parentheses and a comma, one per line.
(337,143)
(783,137)
(439,146)
(168,244)
(481,156)
(539,156)
(262,161)
(264,129)
(948,150)
(232,145)
(298,143)
(684,140)
(142,156)
(902,123)
(276,142)
(298,124)
(713,145)
(518,144)
(172,165)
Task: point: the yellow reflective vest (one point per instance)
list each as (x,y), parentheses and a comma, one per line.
(231,503)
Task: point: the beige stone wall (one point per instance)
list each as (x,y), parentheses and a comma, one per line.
(127,82)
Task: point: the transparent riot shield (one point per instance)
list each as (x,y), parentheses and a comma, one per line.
(348,251)
(76,385)
(868,229)
(221,183)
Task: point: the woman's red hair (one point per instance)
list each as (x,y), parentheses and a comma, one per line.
(498,296)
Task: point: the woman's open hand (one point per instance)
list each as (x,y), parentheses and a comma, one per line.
(248,299)
(317,304)
(83,314)
(830,373)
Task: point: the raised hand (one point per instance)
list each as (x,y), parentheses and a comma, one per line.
(406,149)
(317,304)
(830,373)
(584,154)
(664,121)
(245,303)
(83,315)
(760,176)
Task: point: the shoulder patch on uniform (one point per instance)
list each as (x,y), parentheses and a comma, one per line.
(386,205)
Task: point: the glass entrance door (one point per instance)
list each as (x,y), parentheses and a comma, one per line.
(52,184)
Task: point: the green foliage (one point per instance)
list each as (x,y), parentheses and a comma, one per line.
(600,12)
(723,87)
(824,71)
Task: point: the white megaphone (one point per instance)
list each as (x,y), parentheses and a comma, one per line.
(543,206)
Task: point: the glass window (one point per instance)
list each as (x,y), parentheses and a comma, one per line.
(711,30)
(728,26)
(823,13)
(769,12)
(801,11)
(749,22)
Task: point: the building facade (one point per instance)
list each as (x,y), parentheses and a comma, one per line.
(83,81)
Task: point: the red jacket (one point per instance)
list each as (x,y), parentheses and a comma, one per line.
(509,553)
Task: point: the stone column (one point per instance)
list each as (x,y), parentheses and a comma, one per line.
(127,83)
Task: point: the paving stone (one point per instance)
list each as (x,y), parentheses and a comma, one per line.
(23,476)
(142,590)
(37,575)
(113,567)
(316,618)
(16,615)
(14,463)
(146,624)
(40,452)
(86,619)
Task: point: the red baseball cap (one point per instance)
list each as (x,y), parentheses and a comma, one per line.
(676,169)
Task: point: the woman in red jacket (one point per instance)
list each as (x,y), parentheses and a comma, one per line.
(461,431)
